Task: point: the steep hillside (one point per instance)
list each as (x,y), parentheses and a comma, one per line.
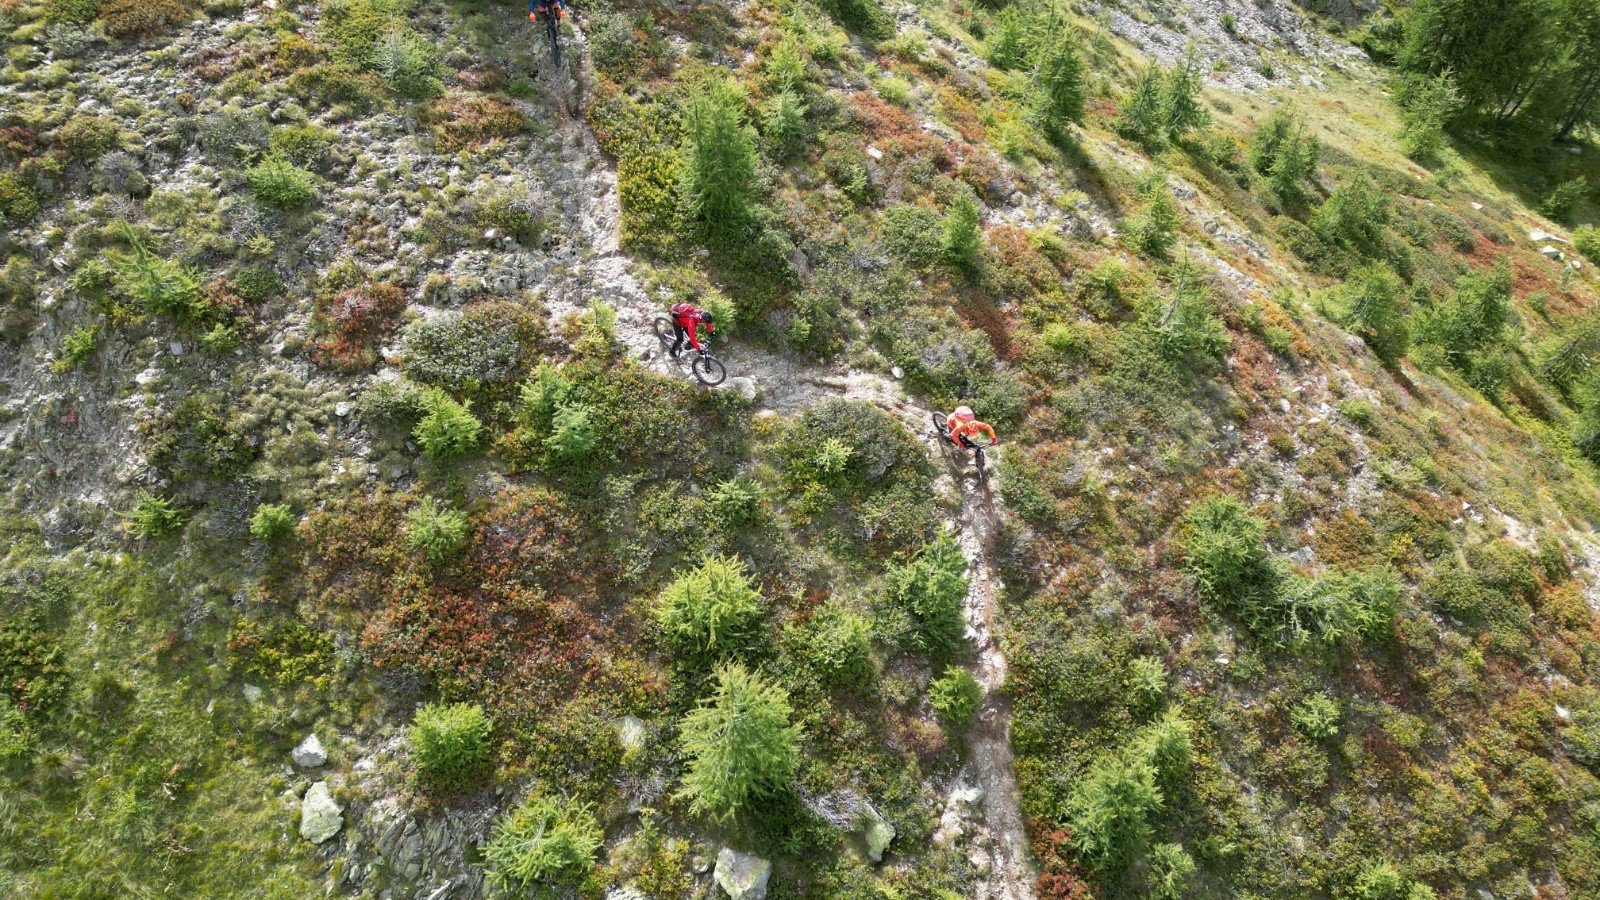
(362,539)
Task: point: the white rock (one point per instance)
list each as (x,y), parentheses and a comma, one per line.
(252,693)
(874,152)
(342,408)
(1477,206)
(1550,252)
(1563,713)
(897,372)
(1537,235)
(630,731)
(310,753)
(320,817)
(175,348)
(742,876)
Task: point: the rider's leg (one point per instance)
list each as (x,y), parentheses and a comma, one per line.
(678,336)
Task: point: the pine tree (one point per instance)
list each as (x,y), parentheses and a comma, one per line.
(963,239)
(1142,117)
(1058,81)
(719,149)
(1182,111)
(740,744)
(1372,295)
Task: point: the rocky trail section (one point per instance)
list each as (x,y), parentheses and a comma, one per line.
(778,382)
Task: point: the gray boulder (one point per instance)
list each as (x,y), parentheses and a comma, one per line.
(877,832)
(320,817)
(310,753)
(743,876)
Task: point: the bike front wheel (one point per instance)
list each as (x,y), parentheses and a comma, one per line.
(553,26)
(982,460)
(709,371)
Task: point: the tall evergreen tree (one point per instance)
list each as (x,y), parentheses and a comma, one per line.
(719,150)
(739,743)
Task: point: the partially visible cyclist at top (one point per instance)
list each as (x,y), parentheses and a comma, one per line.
(686,318)
(962,423)
(557,8)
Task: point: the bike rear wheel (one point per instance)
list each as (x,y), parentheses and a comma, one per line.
(982,460)
(664,331)
(709,370)
(553,26)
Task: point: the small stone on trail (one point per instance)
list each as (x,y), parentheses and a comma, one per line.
(897,372)
(309,753)
(342,409)
(743,876)
(874,152)
(320,817)
(175,348)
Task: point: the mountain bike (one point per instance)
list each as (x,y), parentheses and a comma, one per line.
(978,454)
(552,26)
(707,369)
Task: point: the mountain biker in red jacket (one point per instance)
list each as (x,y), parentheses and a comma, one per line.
(962,423)
(686,317)
(557,8)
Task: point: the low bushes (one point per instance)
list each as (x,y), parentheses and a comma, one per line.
(152,516)
(955,696)
(1113,809)
(468,120)
(142,18)
(272,522)
(710,613)
(279,183)
(930,590)
(448,429)
(545,841)
(354,322)
(435,531)
(450,744)
(482,351)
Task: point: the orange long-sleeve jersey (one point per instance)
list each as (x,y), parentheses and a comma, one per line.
(960,429)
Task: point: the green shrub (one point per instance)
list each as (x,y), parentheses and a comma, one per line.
(85,138)
(718,180)
(1587,240)
(1380,881)
(932,588)
(1166,744)
(1146,682)
(961,244)
(484,350)
(1426,105)
(1226,550)
(1006,45)
(739,744)
(787,67)
(1155,229)
(34,677)
(1170,868)
(1140,116)
(1282,151)
(1559,203)
(838,645)
(69,12)
(911,233)
(450,744)
(1110,811)
(161,286)
(152,516)
(448,430)
(281,184)
(955,696)
(1354,217)
(1473,321)
(376,36)
(547,391)
(1187,327)
(306,144)
(142,18)
(734,503)
(545,841)
(1181,107)
(572,433)
(272,522)
(407,62)
(17,737)
(1372,309)
(20,201)
(76,348)
(710,613)
(438,533)
(1316,717)
(783,122)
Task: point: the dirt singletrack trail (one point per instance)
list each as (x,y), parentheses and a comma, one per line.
(997,846)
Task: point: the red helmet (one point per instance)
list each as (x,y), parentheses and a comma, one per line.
(964,413)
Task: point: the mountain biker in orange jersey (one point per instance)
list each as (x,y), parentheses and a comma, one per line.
(963,423)
(686,318)
(558,8)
